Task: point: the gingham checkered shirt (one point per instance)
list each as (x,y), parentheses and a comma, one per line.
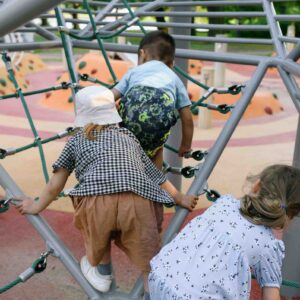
(112,163)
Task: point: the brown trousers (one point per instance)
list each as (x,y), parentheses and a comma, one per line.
(132,221)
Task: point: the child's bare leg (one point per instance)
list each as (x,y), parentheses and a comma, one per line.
(158,159)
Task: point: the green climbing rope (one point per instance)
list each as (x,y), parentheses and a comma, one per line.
(102,36)
(284,282)
(290,283)
(133,16)
(38,266)
(7,61)
(11,151)
(98,37)
(62,86)
(86,77)
(10,285)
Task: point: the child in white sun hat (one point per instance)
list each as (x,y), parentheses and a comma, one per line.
(118,189)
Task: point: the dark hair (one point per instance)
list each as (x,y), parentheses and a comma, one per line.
(278,197)
(159,45)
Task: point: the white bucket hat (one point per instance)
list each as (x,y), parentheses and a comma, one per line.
(95,104)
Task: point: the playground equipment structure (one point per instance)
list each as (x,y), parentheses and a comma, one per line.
(97,24)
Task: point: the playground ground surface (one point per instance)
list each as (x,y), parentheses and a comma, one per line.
(256,143)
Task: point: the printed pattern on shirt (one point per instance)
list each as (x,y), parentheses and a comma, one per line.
(213,256)
(149,113)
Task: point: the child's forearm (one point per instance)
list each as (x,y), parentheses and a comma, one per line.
(187,135)
(187,127)
(47,196)
(170,188)
(49,193)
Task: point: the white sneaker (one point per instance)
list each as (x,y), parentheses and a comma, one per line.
(100,282)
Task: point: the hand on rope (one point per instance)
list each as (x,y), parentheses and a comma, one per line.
(38,266)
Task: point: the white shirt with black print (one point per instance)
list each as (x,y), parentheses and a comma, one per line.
(114,162)
(213,256)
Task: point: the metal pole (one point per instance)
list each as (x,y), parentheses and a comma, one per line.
(99,17)
(296,159)
(175,138)
(217,149)
(15,13)
(291,262)
(290,237)
(67,45)
(275,29)
(50,237)
(295,53)
(219,74)
(42,31)
(204,114)
(292,87)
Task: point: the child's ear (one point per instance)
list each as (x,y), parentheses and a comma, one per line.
(256,186)
(141,56)
(171,64)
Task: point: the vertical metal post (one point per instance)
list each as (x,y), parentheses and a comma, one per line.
(219,74)
(295,53)
(291,262)
(205,115)
(291,31)
(296,158)
(67,45)
(290,237)
(175,137)
(275,29)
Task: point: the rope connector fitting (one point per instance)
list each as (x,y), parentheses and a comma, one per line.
(63,29)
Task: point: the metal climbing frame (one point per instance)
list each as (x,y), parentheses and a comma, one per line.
(179,19)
